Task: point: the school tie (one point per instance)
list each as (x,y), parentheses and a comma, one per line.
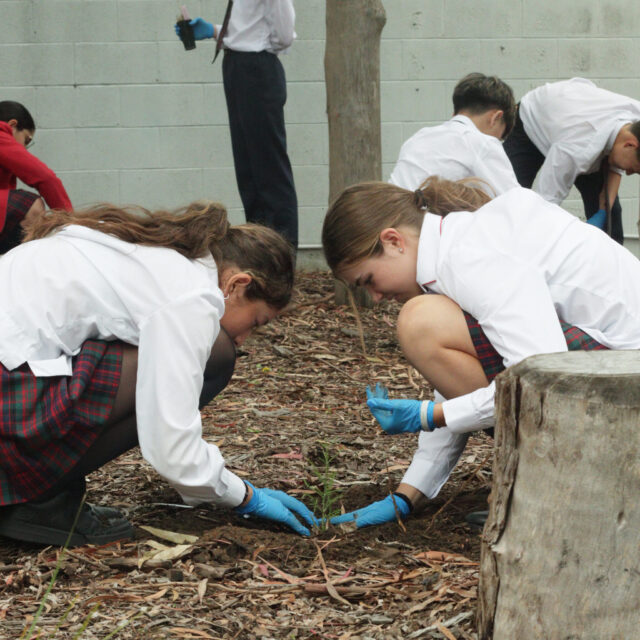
(223,30)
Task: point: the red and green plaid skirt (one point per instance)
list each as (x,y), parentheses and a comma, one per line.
(491,360)
(48,423)
(18,205)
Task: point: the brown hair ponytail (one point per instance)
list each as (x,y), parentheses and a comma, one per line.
(352,226)
(194,231)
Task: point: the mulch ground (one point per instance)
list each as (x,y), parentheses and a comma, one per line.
(293,418)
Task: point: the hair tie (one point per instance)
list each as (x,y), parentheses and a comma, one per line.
(420,199)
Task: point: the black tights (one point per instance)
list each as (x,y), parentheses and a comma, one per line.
(120,436)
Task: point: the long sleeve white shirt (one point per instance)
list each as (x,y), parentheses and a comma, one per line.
(261,25)
(574,124)
(78,284)
(517,265)
(454,150)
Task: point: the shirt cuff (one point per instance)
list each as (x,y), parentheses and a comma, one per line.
(461,415)
(232,497)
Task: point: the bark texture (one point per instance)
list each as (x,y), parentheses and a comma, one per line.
(560,552)
(352,77)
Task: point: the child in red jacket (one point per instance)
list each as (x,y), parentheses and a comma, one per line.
(17,206)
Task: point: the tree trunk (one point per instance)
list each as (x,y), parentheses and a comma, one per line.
(560,548)
(352,78)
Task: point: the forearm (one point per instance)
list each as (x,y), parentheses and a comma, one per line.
(612,188)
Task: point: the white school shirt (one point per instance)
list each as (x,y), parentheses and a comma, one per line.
(260,25)
(454,150)
(517,265)
(574,124)
(79,283)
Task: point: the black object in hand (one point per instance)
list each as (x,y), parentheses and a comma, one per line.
(186,34)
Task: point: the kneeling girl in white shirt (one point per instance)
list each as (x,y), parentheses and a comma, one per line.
(115,327)
(513,276)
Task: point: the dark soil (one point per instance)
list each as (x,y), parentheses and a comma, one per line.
(297,394)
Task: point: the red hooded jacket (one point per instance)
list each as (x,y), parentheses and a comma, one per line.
(17,162)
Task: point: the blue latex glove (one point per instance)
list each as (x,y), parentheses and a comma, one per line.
(598,219)
(277,505)
(376,513)
(379,392)
(201,29)
(396,416)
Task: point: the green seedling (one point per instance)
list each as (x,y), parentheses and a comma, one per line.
(325,495)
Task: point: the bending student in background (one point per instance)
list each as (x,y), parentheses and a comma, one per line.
(255,87)
(573,132)
(18,207)
(115,327)
(467,145)
(508,278)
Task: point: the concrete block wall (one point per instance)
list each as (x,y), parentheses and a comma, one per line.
(125,114)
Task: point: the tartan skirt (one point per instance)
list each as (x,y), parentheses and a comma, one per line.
(48,423)
(491,360)
(18,205)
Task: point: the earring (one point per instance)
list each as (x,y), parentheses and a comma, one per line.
(401,250)
(226,297)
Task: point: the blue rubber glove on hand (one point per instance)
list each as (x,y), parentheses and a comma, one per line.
(376,513)
(396,416)
(598,219)
(201,29)
(277,505)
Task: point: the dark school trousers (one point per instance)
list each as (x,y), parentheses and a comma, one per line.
(256,91)
(527,159)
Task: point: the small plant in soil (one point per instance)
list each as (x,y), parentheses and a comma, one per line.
(326,496)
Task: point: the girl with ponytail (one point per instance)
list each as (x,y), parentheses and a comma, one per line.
(509,278)
(116,327)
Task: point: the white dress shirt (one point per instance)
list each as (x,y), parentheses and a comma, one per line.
(574,124)
(517,265)
(260,25)
(454,150)
(78,284)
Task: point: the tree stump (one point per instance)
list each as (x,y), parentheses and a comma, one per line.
(561,547)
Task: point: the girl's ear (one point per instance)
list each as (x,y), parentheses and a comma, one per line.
(235,284)
(392,237)
(13,123)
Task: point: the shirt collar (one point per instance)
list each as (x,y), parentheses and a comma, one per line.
(464,120)
(428,248)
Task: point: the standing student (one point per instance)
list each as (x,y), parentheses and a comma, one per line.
(115,327)
(255,87)
(572,132)
(508,278)
(467,145)
(18,207)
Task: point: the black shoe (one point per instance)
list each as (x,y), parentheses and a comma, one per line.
(49,522)
(476,520)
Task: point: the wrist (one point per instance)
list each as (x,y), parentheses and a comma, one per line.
(427,415)
(248,495)
(416,497)
(405,499)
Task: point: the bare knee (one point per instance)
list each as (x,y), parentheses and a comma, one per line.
(432,322)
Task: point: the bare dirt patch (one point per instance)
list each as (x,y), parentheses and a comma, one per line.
(298,390)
